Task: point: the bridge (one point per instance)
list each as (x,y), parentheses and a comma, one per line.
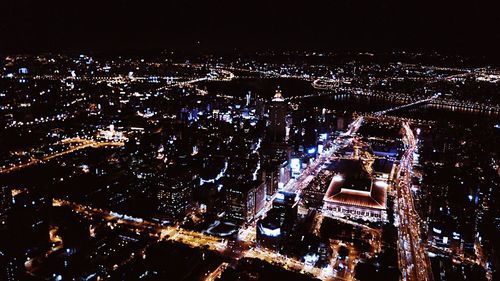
(333,88)
(418,102)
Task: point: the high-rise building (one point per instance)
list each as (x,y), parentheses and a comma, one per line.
(277,119)
(275,168)
(286,203)
(245,201)
(279,221)
(174,195)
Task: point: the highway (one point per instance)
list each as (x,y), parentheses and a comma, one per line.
(214,275)
(412,253)
(82,144)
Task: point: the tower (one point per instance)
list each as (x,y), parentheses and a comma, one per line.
(277,116)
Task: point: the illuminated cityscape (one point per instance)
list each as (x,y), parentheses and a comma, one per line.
(289,158)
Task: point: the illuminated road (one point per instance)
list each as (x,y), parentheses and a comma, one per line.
(191,238)
(307,175)
(413,260)
(313,169)
(214,275)
(83,143)
(216,74)
(182,83)
(173,233)
(245,246)
(412,255)
(248,234)
(194,239)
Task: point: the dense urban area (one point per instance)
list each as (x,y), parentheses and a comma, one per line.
(262,166)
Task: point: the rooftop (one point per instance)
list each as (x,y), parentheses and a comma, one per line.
(278,96)
(353,187)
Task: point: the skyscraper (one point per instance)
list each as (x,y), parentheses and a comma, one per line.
(244,201)
(174,195)
(277,114)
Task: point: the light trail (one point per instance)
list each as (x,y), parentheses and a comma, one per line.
(214,275)
(412,254)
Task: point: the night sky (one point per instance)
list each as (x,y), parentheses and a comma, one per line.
(111,25)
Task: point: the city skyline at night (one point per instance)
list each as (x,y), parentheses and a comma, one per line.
(249,141)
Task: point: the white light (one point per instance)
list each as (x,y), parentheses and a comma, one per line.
(280,196)
(381,184)
(311,259)
(438,231)
(337,178)
(270,232)
(295,164)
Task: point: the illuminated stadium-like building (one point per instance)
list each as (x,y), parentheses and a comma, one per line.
(353,193)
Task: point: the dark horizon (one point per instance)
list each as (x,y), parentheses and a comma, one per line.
(223,26)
